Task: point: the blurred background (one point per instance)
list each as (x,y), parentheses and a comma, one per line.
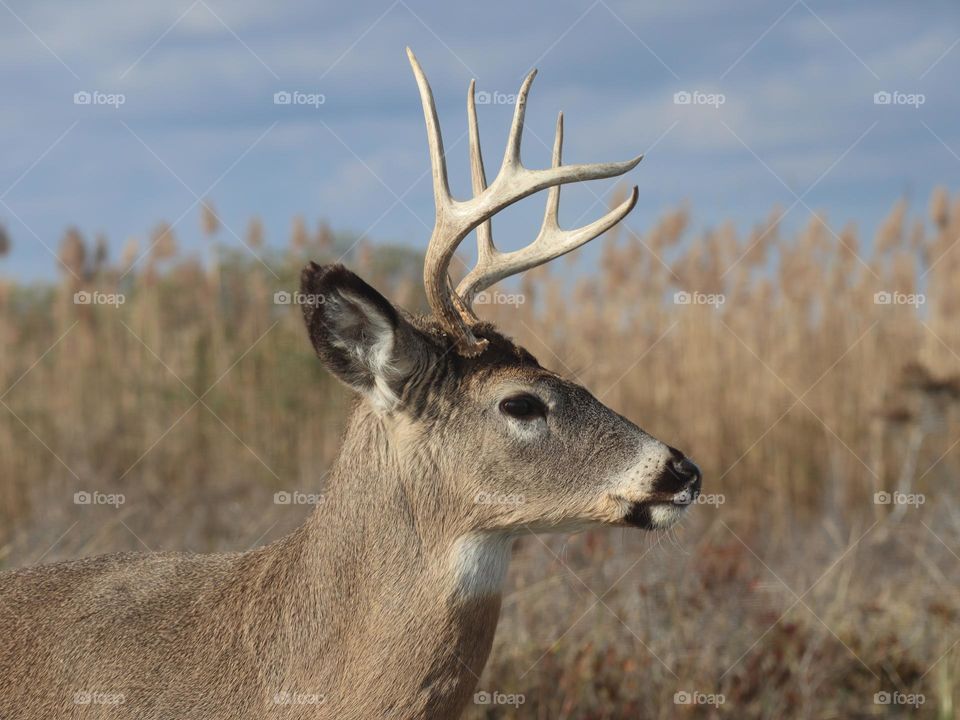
(783,304)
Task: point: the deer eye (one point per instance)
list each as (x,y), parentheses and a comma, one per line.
(523,407)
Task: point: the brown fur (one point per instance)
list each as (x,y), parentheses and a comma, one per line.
(211,636)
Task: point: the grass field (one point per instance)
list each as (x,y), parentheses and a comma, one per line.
(162,403)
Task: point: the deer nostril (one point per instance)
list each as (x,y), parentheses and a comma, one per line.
(688,470)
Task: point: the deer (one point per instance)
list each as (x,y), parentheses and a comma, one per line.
(385,602)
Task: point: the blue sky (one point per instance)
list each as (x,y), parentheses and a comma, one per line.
(798,117)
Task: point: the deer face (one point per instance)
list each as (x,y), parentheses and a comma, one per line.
(512,446)
(554,458)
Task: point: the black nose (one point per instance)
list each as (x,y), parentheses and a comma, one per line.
(687,471)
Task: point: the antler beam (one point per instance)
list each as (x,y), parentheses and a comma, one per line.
(455,219)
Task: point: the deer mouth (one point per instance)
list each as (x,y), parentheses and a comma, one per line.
(656,515)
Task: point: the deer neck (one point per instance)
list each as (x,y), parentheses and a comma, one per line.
(405,592)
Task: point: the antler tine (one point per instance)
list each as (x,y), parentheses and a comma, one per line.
(511,156)
(551,241)
(551,212)
(438,163)
(478,177)
(456,219)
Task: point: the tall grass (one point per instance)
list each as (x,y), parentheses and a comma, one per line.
(774,360)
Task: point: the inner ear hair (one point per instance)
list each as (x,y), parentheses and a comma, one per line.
(322,282)
(371,339)
(357,333)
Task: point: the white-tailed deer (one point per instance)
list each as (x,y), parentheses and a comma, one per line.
(385,602)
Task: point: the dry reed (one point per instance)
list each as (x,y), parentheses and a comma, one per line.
(802,372)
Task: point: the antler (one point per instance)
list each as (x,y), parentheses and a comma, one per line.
(455,219)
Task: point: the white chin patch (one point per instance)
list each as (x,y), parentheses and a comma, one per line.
(664,516)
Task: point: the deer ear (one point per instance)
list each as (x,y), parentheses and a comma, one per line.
(358,333)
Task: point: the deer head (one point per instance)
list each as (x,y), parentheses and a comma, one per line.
(491,440)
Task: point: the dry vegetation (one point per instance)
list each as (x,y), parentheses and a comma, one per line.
(801,396)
